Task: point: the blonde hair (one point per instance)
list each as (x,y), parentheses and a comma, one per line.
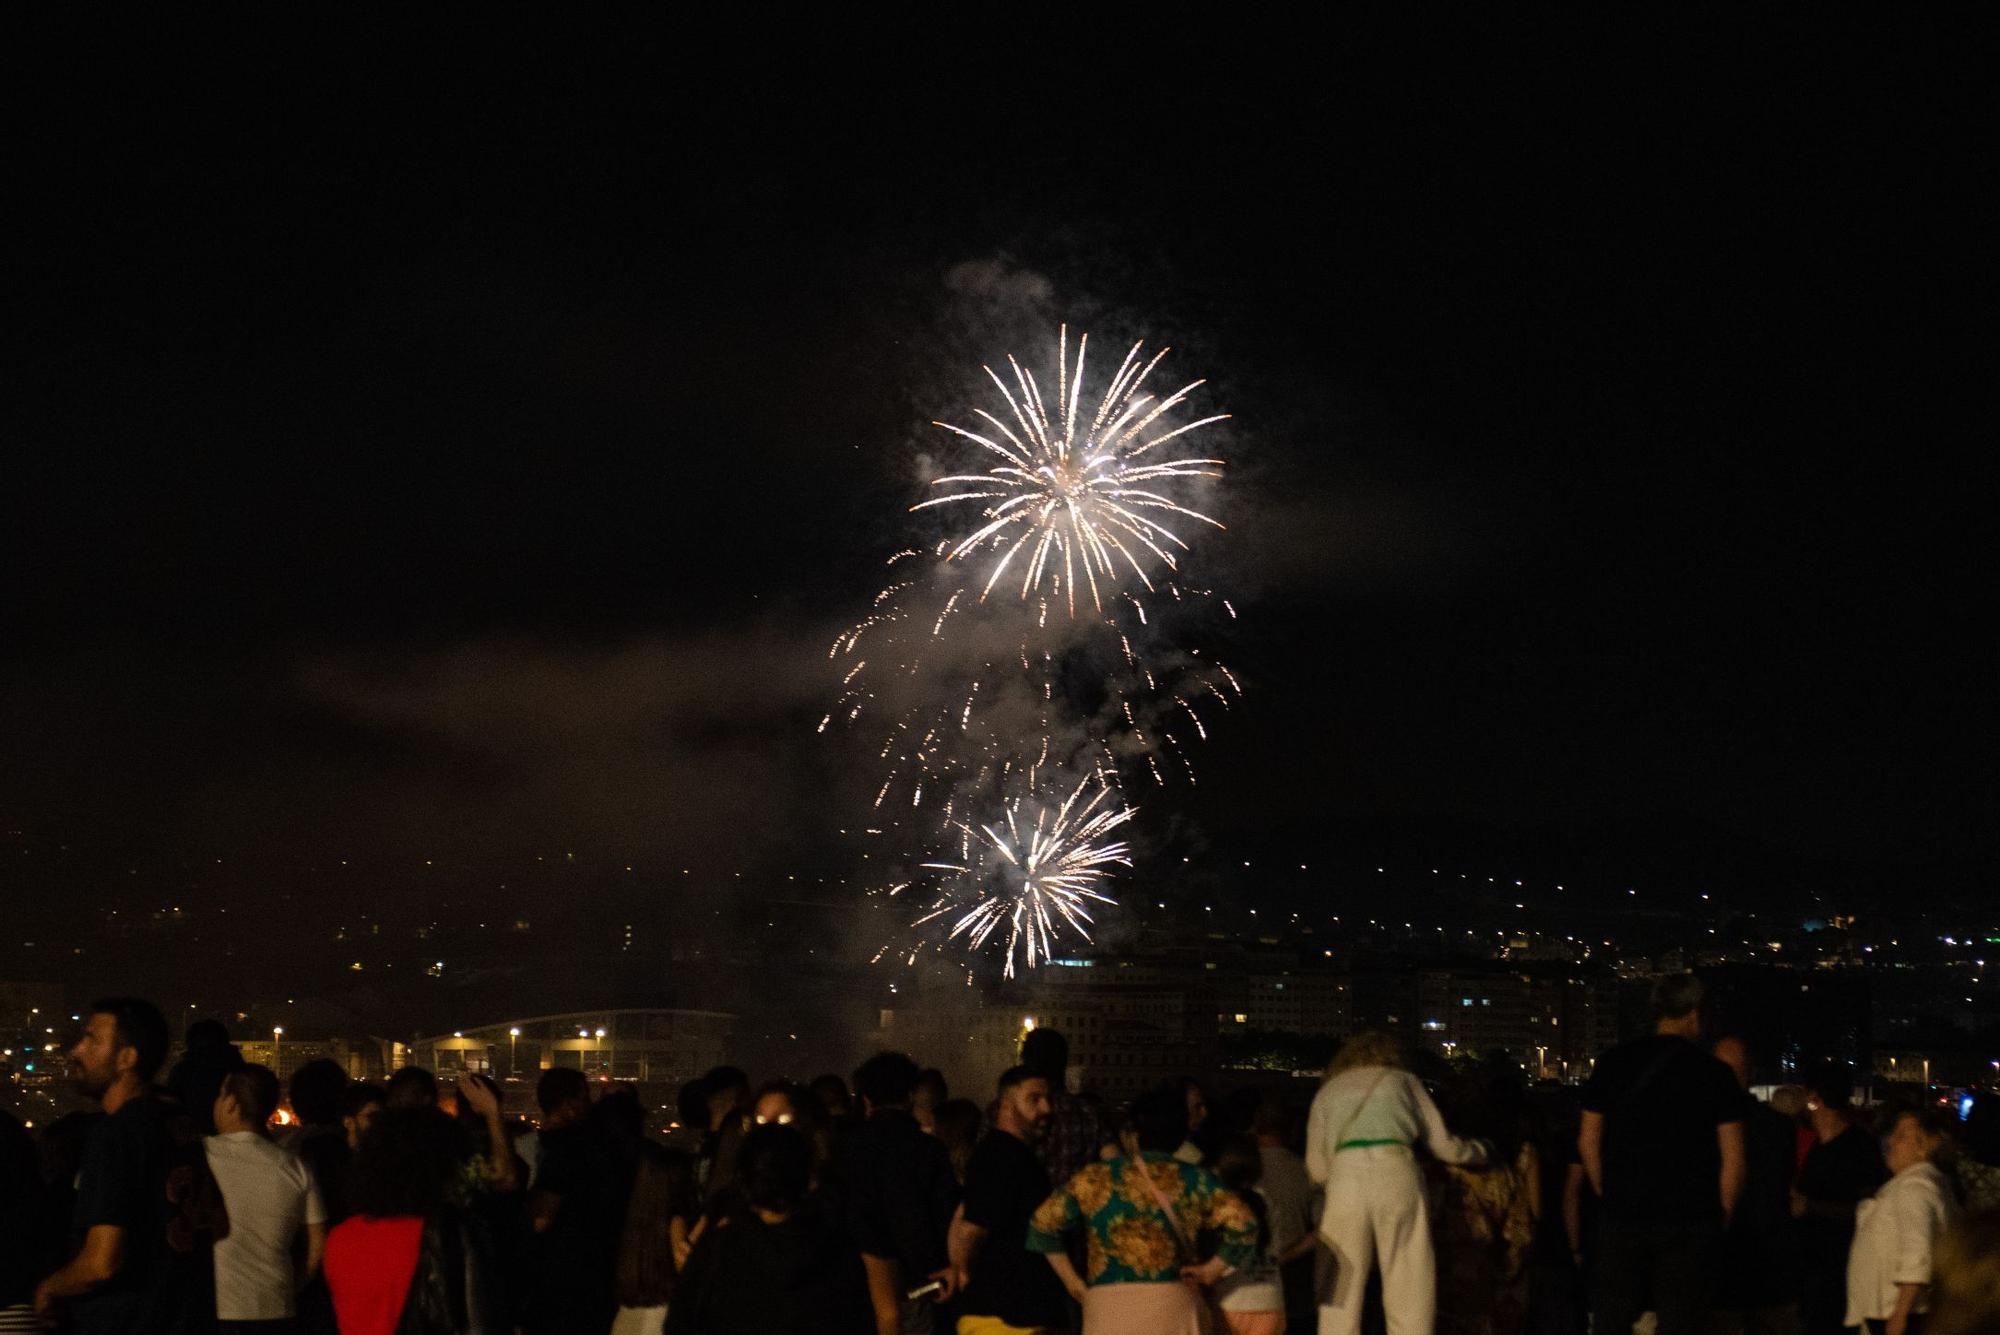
(1965,1277)
(1370,1047)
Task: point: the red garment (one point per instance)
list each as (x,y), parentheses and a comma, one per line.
(369,1264)
(1807,1139)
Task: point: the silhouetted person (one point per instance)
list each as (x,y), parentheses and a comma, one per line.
(782,1103)
(488,1159)
(831,1092)
(411,1087)
(1202,1131)
(1076,1134)
(401,1262)
(207,1055)
(779,1266)
(1840,1171)
(1004,1184)
(899,1193)
(1484,1219)
(1758,1293)
(957,1126)
(563,1096)
(1662,1143)
(315,1097)
(142,1256)
(929,1094)
(331,1159)
(577,1211)
(320,1141)
(728,1100)
(27,1244)
(654,1246)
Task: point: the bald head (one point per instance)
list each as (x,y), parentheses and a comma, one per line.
(1735,1054)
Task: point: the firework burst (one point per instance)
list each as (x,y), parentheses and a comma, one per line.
(977,705)
(1036,876)
(1073,493)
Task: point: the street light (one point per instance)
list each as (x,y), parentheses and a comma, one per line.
(512,1035)
(277,1048)
(600,1049)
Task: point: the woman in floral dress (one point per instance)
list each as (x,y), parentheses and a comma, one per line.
(1141,1215)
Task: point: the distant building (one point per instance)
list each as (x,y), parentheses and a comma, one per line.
(1308,1003)
(284,1053)
(1550,1016)
(647,1047)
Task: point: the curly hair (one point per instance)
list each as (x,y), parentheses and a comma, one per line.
(1370,1047)
(1965,1293)
(405,1164)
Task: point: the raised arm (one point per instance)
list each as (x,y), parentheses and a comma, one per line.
(1437,1136)
(501,1174)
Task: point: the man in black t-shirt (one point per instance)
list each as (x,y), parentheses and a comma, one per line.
(1839,1172)
(1662,1143)
(898,1193)
(139,1264)
(997,1275)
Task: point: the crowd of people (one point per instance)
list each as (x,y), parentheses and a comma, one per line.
(1661,1194)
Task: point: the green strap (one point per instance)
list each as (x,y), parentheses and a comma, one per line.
(1365,1144)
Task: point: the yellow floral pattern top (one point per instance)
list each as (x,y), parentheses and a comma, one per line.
(1127,1238)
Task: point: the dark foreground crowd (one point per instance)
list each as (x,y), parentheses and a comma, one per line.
(1664,1198)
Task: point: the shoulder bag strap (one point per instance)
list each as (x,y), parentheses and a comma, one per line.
(1366,1095)
(1182,1243)
(1646,1078)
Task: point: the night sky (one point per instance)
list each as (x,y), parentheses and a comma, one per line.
(464,443)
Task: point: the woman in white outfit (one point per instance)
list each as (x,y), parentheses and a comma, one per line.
(1360,1143)
(1889,1263)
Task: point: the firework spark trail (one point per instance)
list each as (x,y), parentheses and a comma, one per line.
(1078,496)
(1009,701)
(1035,878)
(979,704)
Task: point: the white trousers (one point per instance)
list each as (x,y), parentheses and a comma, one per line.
(1375,1216)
